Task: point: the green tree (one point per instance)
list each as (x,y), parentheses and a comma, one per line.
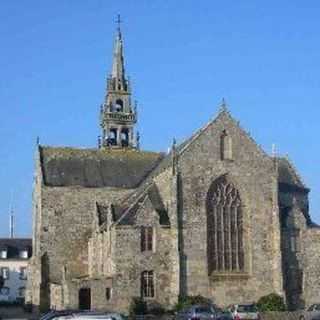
(271,302)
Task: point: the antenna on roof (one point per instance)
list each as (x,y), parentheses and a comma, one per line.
(11,217)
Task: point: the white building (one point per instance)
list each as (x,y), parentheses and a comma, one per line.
(14,257)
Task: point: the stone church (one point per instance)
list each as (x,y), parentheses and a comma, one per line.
(216,216)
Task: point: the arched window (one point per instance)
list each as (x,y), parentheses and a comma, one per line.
(225,146)
(112,138)
(125,137)
(224,228)
(119,105)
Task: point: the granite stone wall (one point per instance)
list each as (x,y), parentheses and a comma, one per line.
(254,175)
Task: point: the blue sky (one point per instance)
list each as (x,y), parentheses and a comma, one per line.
(182,57)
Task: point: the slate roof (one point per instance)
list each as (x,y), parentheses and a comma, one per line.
(120,168)
(153,194)
(124,213)
(288,175)
(15,245)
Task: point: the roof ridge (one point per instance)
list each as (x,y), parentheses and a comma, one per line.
(106,150)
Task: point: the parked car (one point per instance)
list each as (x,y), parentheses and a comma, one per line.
(81,315)
(203,312)
(244,311)
(312,313)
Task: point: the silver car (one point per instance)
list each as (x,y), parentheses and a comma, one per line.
(202,312)
(81,315)
(312,313)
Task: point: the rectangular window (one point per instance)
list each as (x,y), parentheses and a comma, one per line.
(147,284)
(108,294)
(295,241)
(23,273)
(24,254)
(146,239)
(5,273)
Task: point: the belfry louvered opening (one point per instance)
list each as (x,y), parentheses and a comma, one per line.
(225,227)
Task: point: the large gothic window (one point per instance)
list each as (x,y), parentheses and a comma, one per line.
(225,227)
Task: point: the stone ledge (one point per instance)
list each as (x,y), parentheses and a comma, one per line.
(229,276)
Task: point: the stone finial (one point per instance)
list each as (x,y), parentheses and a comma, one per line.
(223,106)
(38,141)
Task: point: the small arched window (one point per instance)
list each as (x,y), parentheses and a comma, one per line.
(119,106)
(225,146)
(125,137)
(112,138)
(224,228)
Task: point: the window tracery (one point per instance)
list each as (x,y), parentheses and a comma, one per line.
(225,228)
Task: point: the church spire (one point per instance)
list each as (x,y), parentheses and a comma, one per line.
(118,115)
(118,71)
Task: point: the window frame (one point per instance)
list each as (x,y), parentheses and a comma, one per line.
(23,275)
(108,293)
(147,239)
(148,290)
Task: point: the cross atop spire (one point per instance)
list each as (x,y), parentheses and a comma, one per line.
(119,21)
(118,60)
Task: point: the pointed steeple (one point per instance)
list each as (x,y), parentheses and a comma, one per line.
(118,115)
(118,71)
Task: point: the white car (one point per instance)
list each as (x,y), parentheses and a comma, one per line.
(244,311)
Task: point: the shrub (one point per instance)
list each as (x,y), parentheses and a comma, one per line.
(137,306)
(187,301)
(271,302)
(156,309)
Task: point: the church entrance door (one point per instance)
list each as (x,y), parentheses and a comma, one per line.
(85,299)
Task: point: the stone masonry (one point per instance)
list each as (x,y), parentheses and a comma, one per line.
(217,216)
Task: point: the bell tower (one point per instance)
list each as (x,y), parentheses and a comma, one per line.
(118,116)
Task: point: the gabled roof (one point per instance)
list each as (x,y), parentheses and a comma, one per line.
(14,246)
(125,213)
(119,168)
